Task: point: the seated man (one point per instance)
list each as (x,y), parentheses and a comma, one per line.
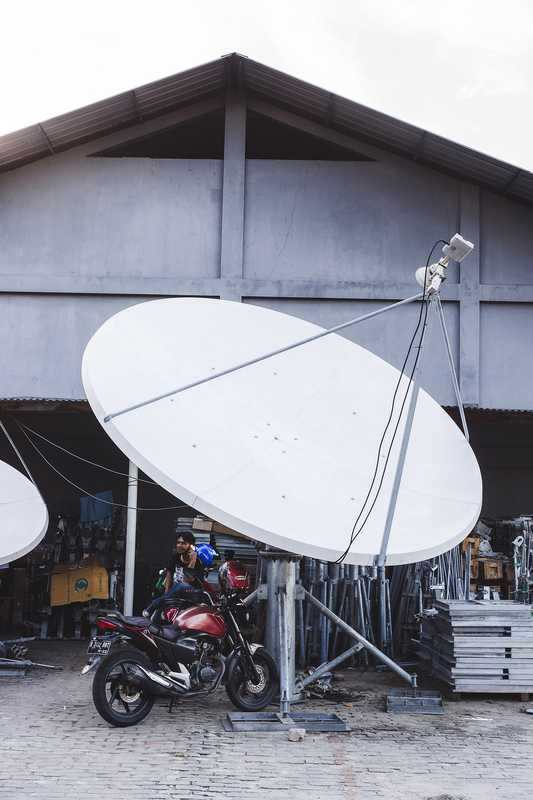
(184,575)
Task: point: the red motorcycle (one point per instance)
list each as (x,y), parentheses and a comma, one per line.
(183,651)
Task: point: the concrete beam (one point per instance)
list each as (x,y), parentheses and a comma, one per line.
(336,290)
(106,284)
(249,287)
(506,293)
(227,288)
(233,188)
(469,297)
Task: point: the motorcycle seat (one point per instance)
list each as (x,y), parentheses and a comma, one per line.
(139,622)
(194,597)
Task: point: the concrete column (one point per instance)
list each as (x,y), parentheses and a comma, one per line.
(469,296)
(131,534)
(233,188)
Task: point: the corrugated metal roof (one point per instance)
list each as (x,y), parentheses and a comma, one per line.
(43,404)
(101,118)
(163,96)
(500,412)
(43,399)
(59,402)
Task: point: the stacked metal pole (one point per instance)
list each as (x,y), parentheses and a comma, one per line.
(353,594)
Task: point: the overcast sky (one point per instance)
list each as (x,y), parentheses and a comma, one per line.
(460,68)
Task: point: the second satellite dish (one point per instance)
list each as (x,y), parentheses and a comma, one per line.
(284,450)
(23,514)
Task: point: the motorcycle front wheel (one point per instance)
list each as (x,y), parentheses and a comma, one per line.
(116,695)
(246,695)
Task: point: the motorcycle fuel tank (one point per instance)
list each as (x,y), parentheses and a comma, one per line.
(201,619)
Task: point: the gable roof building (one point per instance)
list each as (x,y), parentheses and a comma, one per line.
(237,181)
(328,117)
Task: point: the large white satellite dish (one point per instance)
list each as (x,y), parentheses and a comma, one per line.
(284,450)
(23,514)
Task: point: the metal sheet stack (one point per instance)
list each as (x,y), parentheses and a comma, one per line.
(480,645)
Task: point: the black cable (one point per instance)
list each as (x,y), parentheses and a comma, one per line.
(376,468)
(397,424)
(80,458)
(423,305)
(88,494)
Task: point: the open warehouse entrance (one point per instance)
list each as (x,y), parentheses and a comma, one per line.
(84,532)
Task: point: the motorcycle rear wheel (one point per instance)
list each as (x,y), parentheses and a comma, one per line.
(243,693)
(118,701)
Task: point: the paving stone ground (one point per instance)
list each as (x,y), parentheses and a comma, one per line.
(53,744)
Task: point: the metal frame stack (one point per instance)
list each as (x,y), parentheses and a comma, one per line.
(480,646)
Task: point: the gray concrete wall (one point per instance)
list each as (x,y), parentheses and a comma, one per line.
(506,241)
(345,221)
(76,217)
(45,336)
(82,237)
(506,355)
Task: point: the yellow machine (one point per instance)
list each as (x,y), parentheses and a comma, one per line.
(88,582)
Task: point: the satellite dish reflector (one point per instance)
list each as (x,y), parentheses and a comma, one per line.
(282,451)
(23,514)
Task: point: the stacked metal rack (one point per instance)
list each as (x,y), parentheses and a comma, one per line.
(415,587)
(347,591)
(480,646)
(523,560)
(352,593)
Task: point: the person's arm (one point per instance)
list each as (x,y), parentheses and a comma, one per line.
(168,580)
(191,569)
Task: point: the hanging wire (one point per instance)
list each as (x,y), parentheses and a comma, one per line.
(419,348)
(88,494)
(423,305)
(80,458)
(17,453)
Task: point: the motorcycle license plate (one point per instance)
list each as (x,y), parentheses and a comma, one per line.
(99,647)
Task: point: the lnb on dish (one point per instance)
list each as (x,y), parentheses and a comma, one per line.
(431,277)
(458,248)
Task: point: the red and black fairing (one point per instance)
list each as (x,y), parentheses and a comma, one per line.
(183,633)
(198,619)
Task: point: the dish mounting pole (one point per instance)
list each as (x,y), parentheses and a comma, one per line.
(433,301)
(281,591)
(384,639)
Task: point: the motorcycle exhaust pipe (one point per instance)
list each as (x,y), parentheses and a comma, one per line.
(158,684)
